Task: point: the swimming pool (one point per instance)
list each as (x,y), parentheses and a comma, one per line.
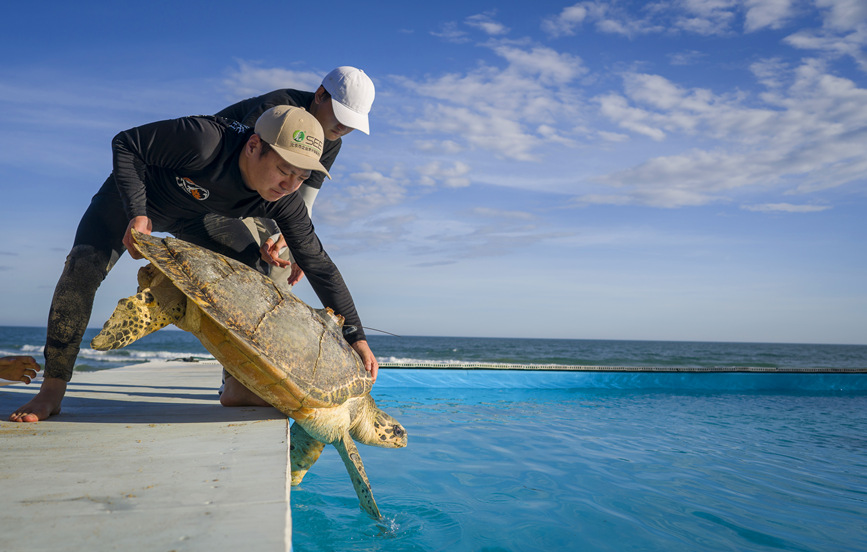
(754,457)
(602,469)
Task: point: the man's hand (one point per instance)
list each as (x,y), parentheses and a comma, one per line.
(296,275)
(18,368)
(370,364)
(270,253)
(271,250)
(141,224)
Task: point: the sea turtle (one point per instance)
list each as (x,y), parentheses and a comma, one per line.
(291,355)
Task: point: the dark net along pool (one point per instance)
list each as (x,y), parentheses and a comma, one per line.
(602,469)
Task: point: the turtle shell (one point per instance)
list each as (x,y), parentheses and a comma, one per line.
(275,344)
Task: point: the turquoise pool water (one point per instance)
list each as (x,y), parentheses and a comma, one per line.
(585,469)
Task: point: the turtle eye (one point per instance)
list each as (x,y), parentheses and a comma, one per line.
(398,431)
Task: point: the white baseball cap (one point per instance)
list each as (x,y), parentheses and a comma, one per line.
(352,95)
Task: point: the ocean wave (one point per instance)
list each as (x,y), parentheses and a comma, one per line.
(92,356)
(31,350)
(138,356)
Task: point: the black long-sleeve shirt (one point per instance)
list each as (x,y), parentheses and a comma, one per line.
(184,168)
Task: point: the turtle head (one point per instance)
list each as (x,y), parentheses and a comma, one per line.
(389,432)
(373,427)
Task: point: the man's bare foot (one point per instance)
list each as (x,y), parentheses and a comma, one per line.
(46,403)
(235,394)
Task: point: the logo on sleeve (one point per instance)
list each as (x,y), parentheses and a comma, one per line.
(238,127)
(196,191)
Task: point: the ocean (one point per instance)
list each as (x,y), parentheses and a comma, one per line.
(655,465)
(456,352)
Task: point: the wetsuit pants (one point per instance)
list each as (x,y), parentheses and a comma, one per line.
(97,247)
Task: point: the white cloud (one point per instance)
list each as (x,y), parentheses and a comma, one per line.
(617,108)
(477,129)
(446,147)
(843,31)
(250,80)
(501,214)
(770,72)
(833,44)
(486,23)
(846,15)
(513,111)
(361,194)
(613,136)
(785,208)
(474,238)
(450,32)
(705,17)
(690,179)
(549,66)
(800,132)
(806,133)
(702,17)
(438,237)
(690,57)
(554,135)
(450,176)
(772,14)
(610,19)
(566,22)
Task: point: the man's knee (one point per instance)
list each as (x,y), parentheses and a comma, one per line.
(235,394)
(71,306)
(86,264)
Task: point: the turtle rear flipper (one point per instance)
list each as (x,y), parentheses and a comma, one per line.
(304,451)
(352,460)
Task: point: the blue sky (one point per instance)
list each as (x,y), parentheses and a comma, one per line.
(679,170)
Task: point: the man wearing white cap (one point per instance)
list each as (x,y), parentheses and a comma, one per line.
(340,104)
(167,176)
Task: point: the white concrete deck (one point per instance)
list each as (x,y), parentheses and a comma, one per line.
(144,458)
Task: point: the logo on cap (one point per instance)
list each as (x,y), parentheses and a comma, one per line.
(294,134)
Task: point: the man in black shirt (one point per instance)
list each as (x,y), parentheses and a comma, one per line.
(168,177)
(340,104)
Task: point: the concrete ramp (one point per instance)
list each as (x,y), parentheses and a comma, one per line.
(144,458)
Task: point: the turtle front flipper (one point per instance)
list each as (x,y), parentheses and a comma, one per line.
(304,451)
(349,452)
(144,313)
